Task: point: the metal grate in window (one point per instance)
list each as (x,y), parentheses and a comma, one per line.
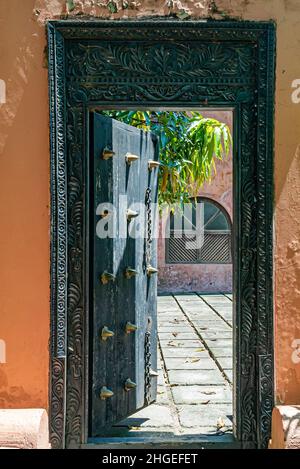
(178,252)
(216,248)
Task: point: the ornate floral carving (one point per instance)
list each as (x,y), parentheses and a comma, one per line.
(165,63)
(61,180)
(205,94)
(149,61)
(58,237)
(266,398)
(57,421)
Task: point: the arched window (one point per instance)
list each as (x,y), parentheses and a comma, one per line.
(199,233)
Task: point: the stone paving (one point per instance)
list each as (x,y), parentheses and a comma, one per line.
(195,369)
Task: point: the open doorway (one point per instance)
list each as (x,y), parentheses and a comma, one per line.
(145,64)
(194,273)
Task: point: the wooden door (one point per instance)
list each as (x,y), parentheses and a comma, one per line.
(123,279)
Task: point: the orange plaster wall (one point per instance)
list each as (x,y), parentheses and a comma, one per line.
(24,209)
(24,173)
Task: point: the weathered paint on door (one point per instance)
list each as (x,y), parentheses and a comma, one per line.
(121,297)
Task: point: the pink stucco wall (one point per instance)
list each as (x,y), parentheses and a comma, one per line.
(201,277)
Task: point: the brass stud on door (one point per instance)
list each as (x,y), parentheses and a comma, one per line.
(107,153)
(106,333)
(130,158)
(130,327)
(129,385)
(105,393)
(107,277)
(130,214)
(104,213)
(151,270)
(153,164)
(129,273)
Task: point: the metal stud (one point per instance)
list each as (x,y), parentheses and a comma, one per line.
(131,214)
(129,273)
(129,385)
(130,158)
(106,333)
(107,277)
(153,164)
(151,270)
(104,213)
(105,393)
(107,153)
(130,327)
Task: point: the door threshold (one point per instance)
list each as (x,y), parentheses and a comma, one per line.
(226,441)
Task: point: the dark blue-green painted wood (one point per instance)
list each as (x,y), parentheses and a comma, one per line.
(117,186)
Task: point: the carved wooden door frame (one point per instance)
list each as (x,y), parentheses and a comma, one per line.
(166,63)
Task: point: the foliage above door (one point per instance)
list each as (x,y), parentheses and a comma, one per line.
(189,145)
(162,63)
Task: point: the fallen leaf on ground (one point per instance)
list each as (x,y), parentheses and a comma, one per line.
(200,349)
(175,334)
(208,393)
(206,402)
(174,344)
(171,343)
(220,423)
(224,430)
(192,360)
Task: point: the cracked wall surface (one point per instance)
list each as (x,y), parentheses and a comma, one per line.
(24,170)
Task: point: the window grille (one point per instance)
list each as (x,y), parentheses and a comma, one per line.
(211,244)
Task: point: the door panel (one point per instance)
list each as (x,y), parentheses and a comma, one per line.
(116,301)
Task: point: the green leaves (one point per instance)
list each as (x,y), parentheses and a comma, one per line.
(188,144)
(112,6)
(183,14)
(70,5)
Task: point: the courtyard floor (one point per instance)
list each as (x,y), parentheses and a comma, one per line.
(195,371)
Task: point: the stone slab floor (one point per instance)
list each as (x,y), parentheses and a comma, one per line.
(195,371)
